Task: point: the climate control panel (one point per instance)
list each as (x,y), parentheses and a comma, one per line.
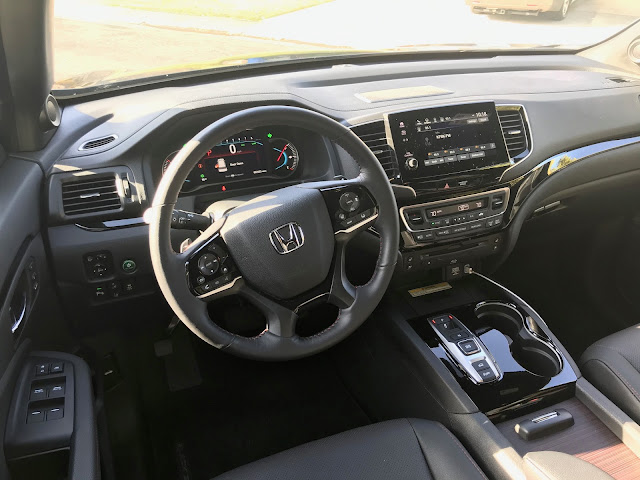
(457,217)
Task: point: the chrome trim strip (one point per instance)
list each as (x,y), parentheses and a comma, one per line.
(562,160)
(455,200)
(358,225)
(220,289)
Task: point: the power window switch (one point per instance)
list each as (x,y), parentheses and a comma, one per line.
(57,367)
(55,413)
(56,390)
(42,369)
(468,347)
(38,393)
(35,416)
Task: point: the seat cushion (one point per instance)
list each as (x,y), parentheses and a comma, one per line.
(613,366)
(397,449)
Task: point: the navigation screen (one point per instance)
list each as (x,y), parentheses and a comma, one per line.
(446,140)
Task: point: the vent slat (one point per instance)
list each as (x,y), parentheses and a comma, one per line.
(90,195)
(513,121)
(373,135)
(97,142)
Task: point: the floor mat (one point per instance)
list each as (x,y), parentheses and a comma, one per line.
(247,410)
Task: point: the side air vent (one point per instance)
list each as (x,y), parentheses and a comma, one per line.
(374,136)
(515,130)
(91,194)
(98,142)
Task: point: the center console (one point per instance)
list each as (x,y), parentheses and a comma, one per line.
(453,158)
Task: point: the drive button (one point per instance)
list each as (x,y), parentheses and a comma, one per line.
(468,347)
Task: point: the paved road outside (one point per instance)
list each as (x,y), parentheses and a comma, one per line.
(90,37)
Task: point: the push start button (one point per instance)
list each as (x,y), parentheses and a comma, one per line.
(129,266)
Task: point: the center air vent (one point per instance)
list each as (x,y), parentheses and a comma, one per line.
(374,136)
(515,130)
(97,142)
(91,194)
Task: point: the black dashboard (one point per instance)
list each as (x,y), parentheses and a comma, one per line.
(468,165)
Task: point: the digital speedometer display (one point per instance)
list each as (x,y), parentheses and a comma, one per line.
(241,158)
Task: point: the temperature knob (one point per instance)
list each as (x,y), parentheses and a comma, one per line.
(411,164)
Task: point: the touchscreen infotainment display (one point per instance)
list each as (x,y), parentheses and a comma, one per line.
(447,140)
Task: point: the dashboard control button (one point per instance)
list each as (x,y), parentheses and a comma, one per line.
(444,232)
(480,365)
(450,158)
(487,375)
(479,154)
(349,201)
(468,347)
(42,369)
(497,221)
(423,236)
(459,229)
(208,264)
(411,164)
(456,335)
(129,266)
(128,286)
(475,226)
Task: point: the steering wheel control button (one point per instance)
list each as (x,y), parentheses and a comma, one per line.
(349,202)
(129,266)
(468,347)
(208,264)
(200,280)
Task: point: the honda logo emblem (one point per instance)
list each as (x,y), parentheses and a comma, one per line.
(287,238)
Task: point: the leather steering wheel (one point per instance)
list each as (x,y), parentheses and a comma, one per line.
(281,250)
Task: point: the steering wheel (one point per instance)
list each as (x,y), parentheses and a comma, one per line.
(281,250)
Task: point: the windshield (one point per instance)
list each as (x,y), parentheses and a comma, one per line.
(108,42)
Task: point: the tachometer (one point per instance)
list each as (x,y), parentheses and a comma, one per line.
(284,156)
(167,161)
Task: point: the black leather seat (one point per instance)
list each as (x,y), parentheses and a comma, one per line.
(397,449)
(613,366)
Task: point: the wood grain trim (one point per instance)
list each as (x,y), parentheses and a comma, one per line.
(588,439)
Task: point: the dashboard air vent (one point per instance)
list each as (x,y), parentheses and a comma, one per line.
(374,136)
(97,142)
(515,130)
(92,194)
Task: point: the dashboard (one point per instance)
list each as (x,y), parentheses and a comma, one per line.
(467,165)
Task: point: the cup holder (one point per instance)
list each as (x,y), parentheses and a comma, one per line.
(527,346)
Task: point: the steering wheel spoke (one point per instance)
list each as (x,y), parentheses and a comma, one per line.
(281,321)
(342,293)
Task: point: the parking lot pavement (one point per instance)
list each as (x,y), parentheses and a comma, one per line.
(375,24)
(93,37)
